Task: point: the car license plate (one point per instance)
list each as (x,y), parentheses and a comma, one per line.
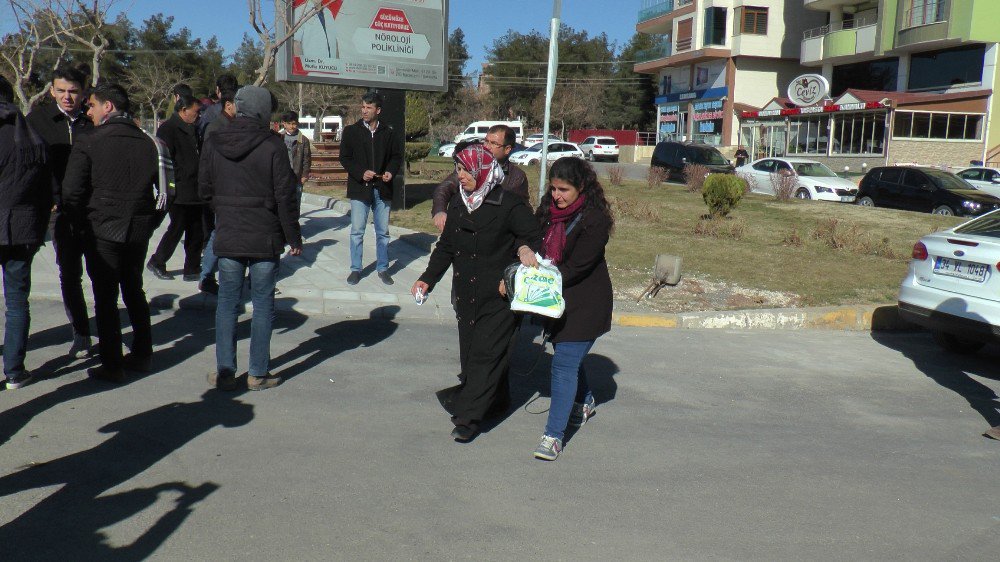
(962,269)
(846,198)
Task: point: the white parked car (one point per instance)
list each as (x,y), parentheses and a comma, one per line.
(600,148)
(815,180)
(953,284)
(446,150)
(533,155)
(536,138)
(983,179)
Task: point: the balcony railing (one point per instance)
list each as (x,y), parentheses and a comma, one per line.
(925,12)
(864,21)
(655,8)
(661,51)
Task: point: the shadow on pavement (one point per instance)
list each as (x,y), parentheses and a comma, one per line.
(950,370)
(334,339)
(69,522)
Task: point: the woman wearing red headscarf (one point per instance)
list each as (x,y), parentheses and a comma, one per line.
(577,223)
(478,243)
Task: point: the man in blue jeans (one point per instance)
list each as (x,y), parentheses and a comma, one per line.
(27,191)
(246,177)
(372,154)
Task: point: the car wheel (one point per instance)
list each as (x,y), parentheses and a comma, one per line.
(614,159)
(944,210)
(866,202)
(954,344)
(588,156)
(802,193)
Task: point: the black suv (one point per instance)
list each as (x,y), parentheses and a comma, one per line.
(673,156)
(923,189)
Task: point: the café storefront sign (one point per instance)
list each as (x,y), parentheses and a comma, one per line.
(808,89)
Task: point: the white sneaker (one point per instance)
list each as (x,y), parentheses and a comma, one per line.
(549,448)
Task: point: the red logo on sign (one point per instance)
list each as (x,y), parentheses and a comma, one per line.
(389,19)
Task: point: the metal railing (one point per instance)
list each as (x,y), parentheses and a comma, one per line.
(661,51)
(645,138)
(864,21)
(925,12)
(655,8)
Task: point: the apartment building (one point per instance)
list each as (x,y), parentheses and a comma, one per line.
(714,56)
(909,81)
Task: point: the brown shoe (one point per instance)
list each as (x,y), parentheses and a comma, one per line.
(221,382)
(103,373)
(993,432)
(263,383)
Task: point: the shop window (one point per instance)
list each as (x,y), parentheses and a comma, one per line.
(859,133)
(808,135)
(715,26)
(949,67)
(752,20)
(938,126)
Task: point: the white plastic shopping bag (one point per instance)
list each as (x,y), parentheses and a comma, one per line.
(539,290)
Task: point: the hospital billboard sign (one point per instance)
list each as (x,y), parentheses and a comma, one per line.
(400,44)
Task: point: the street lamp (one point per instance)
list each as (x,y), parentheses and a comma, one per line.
(550,86)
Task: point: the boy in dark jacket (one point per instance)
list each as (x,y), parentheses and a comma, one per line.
(26,195)
(246,177)
(372,154)
(118,204)
(187,210)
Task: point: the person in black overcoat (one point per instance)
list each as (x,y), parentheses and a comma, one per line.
(483,225)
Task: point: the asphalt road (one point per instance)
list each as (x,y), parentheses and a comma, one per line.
(707,445)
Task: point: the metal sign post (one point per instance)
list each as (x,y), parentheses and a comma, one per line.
(550,87)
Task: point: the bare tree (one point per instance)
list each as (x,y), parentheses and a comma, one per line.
(273,35)
(19,50)
(86,25)
(150,84)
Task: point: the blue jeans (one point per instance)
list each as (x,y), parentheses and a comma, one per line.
(569,384)
(359,221)
(209,263)
(262,277)
(16,263)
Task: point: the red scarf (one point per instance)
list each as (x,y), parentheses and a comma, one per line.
(555,233)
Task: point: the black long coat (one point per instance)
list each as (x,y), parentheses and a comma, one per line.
(479,246)
(182,142)
(586,283)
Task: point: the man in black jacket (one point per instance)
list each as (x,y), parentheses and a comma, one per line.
(187,210)
(246,177)
(110,180)
(372,154)
(26,196)
(61,123)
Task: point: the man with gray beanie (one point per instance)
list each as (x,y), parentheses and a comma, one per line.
(246,177)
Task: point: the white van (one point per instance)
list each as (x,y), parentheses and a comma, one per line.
(478,129)
(330,124)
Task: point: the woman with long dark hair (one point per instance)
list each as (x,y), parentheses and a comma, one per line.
(577,223)
(478,242)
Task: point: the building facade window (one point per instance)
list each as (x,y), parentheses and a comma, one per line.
(859,134)
(808,135)
(924,12)
(937,126)
(752,20)
(945,68)
(707,119)
(715,26)
(879,75)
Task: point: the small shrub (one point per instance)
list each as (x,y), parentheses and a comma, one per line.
(721,227)
(792,238)
(852,238)
(415,151)
(655,176)
(750,180)
(784,186)
(722,192)
(694,177)
(616,175)
(638,210)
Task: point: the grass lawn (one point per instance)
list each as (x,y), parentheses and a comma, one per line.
(788,247)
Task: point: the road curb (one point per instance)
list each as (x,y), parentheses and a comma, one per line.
(875,317)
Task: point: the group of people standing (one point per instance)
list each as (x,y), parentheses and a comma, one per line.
(217,169)
(232,189)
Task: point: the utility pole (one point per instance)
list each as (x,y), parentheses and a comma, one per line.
(550,87)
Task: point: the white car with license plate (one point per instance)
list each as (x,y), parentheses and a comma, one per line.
(533,155)
(953,284)
(446,150)
(986,180)
(600,148)
(814,180)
